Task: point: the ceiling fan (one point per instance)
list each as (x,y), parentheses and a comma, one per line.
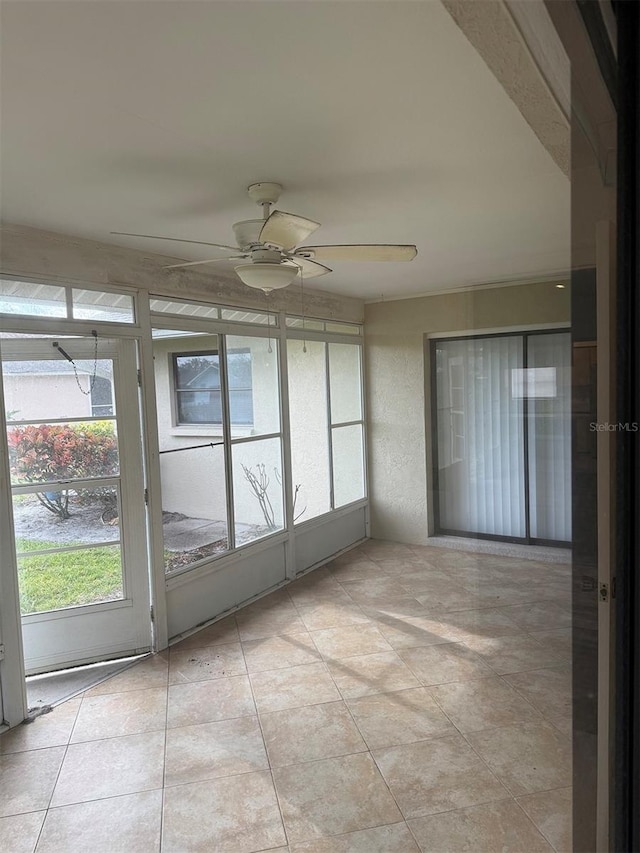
(270,251)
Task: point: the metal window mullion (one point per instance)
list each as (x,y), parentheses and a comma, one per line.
(61,485)
(246,438)
(357,422)
(285,446)
(329,426)
(52,421)
(153,477)
(210,326)
(28,323)
(65,549)
(226,436)
(363,427)
(525,439)
(68,294)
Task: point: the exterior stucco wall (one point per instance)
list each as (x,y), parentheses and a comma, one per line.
(398,390)
(46,396)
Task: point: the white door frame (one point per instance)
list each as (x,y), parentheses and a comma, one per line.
(12,683)
(48,639)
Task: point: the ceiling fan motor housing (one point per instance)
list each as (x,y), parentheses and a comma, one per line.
(266,256)
(247,232)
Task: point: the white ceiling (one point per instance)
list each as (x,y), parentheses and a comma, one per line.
(379,118)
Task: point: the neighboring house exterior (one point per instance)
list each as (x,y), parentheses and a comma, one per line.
(32,388)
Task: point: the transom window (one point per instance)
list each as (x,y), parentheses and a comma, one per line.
(197,387)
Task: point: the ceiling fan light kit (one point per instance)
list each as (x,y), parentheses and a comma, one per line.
(267,276)
(271,251)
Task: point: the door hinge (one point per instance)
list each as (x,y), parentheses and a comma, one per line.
(604,592)
(1,651)
(139,378)
(146,497)
(152,614)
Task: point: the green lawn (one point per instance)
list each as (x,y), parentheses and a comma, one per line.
(52,581)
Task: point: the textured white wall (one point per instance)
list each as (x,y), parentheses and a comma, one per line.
(46,396)
(395,332)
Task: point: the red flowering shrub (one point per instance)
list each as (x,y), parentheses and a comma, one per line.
(48,453)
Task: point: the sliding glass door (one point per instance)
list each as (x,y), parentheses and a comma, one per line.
(502,438)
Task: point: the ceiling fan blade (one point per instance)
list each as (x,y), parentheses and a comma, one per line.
(310,269)
(359,252)
(176,240)
(286,229)
(210,261)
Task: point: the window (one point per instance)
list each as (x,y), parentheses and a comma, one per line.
(197,387)
(101,397)
(502,411)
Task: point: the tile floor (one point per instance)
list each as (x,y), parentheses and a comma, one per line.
(401,699)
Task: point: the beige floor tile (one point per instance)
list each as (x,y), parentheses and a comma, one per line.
(437,775)
(219,633)
(333,797)
(211,750)
(150,672)
(331,614)
(551,811)
(357,571)
(405,716)
(395,838)
(374,589)
(549,690)
(420,581)
(116,825)
(366,674)
(19,833)
(108,768)
(350,640)
(237,814)
(506,591)
(205,664)
(513,654)
(310,733)
(564,724)
(540,615)
(316,587)
(394,608)
(486,703)
(116,714)
(269,621)
(208,701)
(309,598)
(440,664)
(558,641)
(280,652)
(527,757)
(481,829)
(294,687)
(450,597)
(410,632)
(27,779)
(472,624)
(52,729)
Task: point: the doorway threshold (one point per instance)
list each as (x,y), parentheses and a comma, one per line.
(49,689)
(517,550)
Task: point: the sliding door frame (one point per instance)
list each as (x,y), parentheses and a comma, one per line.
(527,539)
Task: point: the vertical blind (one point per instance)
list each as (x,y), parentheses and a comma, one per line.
(503,435)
